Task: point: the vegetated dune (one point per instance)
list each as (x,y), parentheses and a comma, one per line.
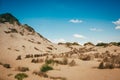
(23,52)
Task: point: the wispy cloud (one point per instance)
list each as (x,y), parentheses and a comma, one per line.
(75,21)
(117,27)
(117,23)
(96,29)
(79,36)
(59,40)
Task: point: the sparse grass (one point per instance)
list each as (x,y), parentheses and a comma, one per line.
(57,78)
(50,61)
(65,61)
(23,69)
(85,57)
(72,63)
(21,76)
(41,74)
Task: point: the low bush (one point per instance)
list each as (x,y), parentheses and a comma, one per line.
(46,68)
(19,57)
(101,65)
(23,69)
(6,65)
(102,44)
(106,65)
(21,76)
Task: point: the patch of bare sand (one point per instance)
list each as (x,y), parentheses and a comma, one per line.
(86,70)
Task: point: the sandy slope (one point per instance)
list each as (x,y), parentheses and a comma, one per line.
(14,44)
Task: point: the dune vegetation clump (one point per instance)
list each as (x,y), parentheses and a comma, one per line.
(23,69)
(46,68)
(18,57)
(21,76)
(113,61)
(6,65)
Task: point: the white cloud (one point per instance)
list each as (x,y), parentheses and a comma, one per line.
(75,21)
(117,27)
(59,40)
(95,29)
(117,23)
(79,36)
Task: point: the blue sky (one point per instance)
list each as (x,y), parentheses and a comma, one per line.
(69,20)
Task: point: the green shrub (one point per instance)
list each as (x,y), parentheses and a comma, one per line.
(46,68)
(7,17)
(21,76)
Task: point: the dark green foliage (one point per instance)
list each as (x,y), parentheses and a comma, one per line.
(21,76)
(7,17)
(75,43)
(46,68)
(102,44)
(88,43)
(118,43)
(106,44)
(6,65)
